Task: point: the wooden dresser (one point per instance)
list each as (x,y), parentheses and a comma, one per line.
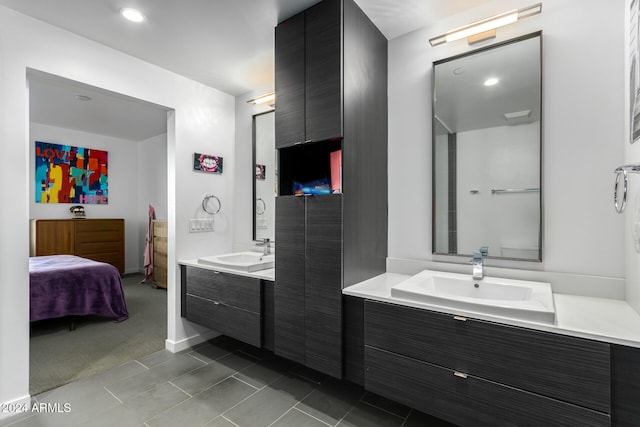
(97,239)
(160,254)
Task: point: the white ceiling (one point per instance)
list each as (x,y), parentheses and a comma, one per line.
(225,44)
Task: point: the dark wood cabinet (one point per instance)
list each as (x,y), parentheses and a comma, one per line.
(473,372)
(97,239)
(227,303)
(308,76)
(308,287)
(289,288)
(625,385)
(337,96)
(290,81)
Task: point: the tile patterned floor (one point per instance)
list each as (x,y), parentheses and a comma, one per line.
(220,383)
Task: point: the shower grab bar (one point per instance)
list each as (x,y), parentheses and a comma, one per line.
(623,171)
(514,190)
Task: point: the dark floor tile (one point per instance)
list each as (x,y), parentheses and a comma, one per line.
(363,415)
(237,361)
(129,387)
(157,358)
(205,406)
(263,373)
(215,348)
(201,378)
(295,418)
(308,374)
(139,409)
(268,404)
(221,421)
(331,401)
(420,419)
(386,404)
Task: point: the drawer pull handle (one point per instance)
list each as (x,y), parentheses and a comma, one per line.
(460,374)
(460,318)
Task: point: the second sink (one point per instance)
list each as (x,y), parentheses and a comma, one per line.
(241,261)
(521,299)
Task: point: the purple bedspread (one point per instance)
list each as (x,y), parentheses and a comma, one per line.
(64,285)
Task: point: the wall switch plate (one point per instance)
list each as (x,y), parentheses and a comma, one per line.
(200,225)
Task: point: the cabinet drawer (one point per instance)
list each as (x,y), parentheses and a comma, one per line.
(94,225)
(95,247)
(160,229)
(469,401)
(566,368)
(230,289)
(231,321)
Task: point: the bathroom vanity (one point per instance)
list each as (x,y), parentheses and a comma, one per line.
(476,369)
(228,301)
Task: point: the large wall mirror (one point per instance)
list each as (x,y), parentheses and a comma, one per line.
(487,151)
(265,176)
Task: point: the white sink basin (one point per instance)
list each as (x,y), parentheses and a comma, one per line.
(240,261)
(520,299)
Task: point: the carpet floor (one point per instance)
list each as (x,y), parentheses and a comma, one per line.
(58,356)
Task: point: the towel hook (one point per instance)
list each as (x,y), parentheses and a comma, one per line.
(620,206)
(205,201)
(260,210)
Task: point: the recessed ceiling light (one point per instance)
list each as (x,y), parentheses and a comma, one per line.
(133,15)
(83,98)
(491,81)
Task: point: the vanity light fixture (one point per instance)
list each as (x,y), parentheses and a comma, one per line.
(486,28)
(268,98)
(133,15)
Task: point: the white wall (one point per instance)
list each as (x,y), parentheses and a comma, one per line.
(152,186)
(583,124)
(202,121)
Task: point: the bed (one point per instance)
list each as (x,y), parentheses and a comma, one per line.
(67,285)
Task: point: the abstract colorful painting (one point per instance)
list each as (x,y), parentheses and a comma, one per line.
(207,163)
(66,174)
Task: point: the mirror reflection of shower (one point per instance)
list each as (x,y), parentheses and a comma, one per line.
(266,174)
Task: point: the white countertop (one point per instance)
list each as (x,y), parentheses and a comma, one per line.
(268,274)
(600,319)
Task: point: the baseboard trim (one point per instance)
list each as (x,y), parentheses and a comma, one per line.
(22,402)
(183,344)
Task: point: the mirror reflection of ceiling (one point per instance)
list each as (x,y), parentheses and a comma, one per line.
(227,45)
(464,103)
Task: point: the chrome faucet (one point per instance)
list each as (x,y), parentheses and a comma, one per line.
(266,245)
(478,264)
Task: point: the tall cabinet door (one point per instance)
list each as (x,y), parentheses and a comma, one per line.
(323,77)
(290,81)
(323,291)
(289,288)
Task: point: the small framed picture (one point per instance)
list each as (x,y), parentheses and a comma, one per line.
(261,171)
(207,163)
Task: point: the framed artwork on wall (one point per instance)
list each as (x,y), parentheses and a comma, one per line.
(207,163)
(67,174)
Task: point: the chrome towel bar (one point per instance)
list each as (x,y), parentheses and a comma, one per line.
(623,171)
(514,190)
(205,203)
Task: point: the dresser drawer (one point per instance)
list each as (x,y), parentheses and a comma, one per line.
(231,321)
(561,367)
(95,225)
(95,247)
(230,289)
(467,401)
